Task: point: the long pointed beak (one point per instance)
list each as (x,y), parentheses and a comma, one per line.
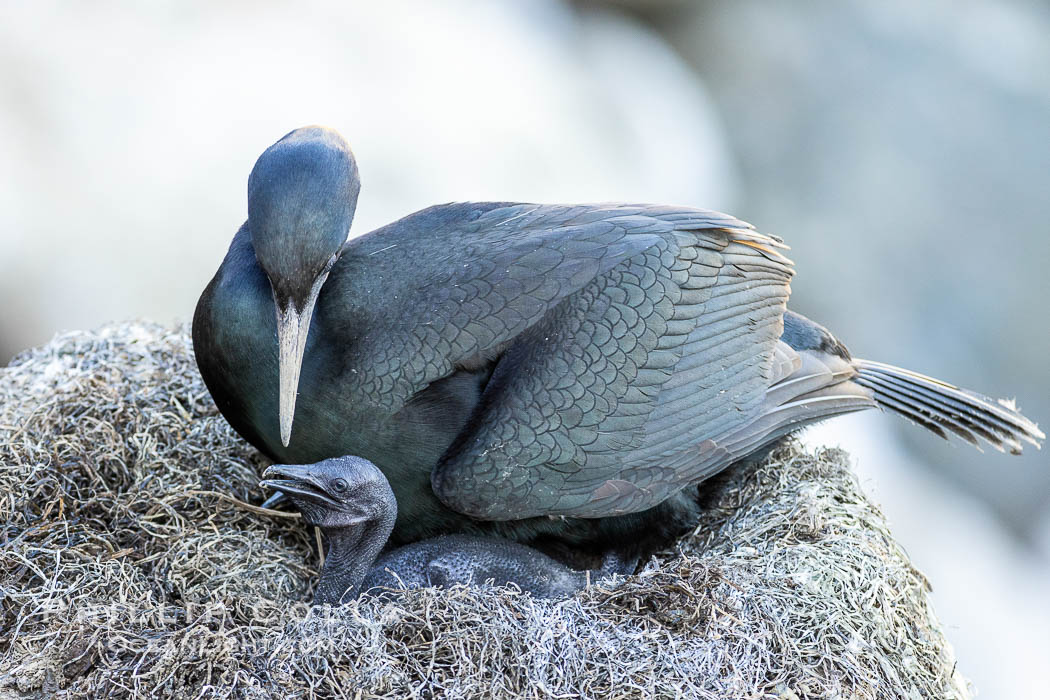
(293,326)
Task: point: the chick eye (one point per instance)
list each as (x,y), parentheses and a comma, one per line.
(339,485)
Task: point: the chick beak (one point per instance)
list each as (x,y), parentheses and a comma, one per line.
(293,478)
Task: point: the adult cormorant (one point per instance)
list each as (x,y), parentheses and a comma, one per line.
(563,373)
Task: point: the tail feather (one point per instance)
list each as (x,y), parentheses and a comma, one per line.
(962,419)
(938,406)
(917,415)
(1002,424)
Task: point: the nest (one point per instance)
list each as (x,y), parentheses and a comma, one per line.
(129,567)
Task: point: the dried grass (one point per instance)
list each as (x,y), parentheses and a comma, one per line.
(124,572)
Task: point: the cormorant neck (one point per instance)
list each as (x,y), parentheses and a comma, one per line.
(351,552)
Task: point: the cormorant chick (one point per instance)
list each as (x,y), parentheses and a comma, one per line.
(353,504)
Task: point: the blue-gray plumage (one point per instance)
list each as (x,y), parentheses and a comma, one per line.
(543,372)
(351,501)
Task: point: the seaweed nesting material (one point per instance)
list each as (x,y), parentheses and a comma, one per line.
(124,571)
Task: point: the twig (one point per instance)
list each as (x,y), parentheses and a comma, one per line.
(246,506)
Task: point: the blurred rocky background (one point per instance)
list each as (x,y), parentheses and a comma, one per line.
(901,148)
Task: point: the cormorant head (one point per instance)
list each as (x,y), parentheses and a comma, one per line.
(335,493)
(301,198)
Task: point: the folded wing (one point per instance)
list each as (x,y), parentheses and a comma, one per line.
(603,405)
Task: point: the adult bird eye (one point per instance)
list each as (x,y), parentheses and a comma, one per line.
(339,485)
